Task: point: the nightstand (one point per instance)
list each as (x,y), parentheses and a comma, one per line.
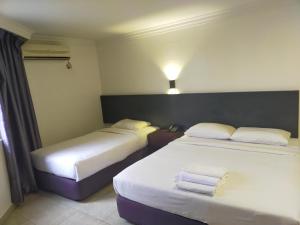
(160,138)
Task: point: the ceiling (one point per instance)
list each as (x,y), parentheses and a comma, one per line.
(95,19)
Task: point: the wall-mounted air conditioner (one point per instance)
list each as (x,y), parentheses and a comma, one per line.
(45,50)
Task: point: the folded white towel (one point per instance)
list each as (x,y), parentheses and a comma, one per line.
(216,172)
(198,179)
(197,188)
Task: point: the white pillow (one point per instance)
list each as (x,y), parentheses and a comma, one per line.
(131,124)
(210,130)
(262,136)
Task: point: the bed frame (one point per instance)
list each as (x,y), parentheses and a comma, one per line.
(278,109)
(77,191)
(140,214)
(273,109)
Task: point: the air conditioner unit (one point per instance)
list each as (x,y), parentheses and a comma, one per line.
(45,50)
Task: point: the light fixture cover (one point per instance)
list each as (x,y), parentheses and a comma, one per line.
(173,91)
(172,83)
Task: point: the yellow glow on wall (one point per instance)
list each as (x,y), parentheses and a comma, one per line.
(173,91)
(172,71)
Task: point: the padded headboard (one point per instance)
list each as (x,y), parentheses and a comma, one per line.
(273,109)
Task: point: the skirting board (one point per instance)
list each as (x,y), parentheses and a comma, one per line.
(7,214)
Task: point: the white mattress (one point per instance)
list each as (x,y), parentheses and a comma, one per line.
(263,186)
(84,156)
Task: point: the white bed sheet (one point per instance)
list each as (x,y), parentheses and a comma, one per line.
(263,186)
(84,156)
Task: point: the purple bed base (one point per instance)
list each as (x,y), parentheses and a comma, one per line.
(140,214)
(77,191)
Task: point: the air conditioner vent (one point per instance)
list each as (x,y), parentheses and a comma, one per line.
(45,50)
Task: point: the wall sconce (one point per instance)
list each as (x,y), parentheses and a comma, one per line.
(172,90)
(172,72)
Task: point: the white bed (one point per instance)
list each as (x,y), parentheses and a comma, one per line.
(263,186)
(82,157)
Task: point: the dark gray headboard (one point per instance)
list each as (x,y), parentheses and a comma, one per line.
(274,109)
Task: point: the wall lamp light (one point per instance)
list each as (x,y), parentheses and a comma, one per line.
(172,72)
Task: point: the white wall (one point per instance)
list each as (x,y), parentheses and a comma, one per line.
(5,201)
(66,101)
(14,27)
(257,49)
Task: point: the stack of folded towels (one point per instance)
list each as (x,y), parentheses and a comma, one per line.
(203,180)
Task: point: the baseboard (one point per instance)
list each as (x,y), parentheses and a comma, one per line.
(7,214)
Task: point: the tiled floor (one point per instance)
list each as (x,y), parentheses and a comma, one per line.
(49,209)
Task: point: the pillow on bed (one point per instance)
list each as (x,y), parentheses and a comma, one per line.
(131,124)
(210,130)
(267,136)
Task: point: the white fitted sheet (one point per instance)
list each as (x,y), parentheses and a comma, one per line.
(263,186)
(84,156)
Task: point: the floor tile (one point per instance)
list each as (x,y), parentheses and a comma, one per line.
(99,205)
(45,211)
(115,219)
(45,208)
(80,218)
(16,218)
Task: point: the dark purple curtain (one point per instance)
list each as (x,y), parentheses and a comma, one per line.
(19,128)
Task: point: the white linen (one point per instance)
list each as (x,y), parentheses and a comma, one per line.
(210,130)
(206,171)
(197,188)
(198,179)
(82,157)
(261,136)
(263,187)
(131,124)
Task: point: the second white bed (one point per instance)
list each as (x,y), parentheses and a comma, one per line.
(82,157)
